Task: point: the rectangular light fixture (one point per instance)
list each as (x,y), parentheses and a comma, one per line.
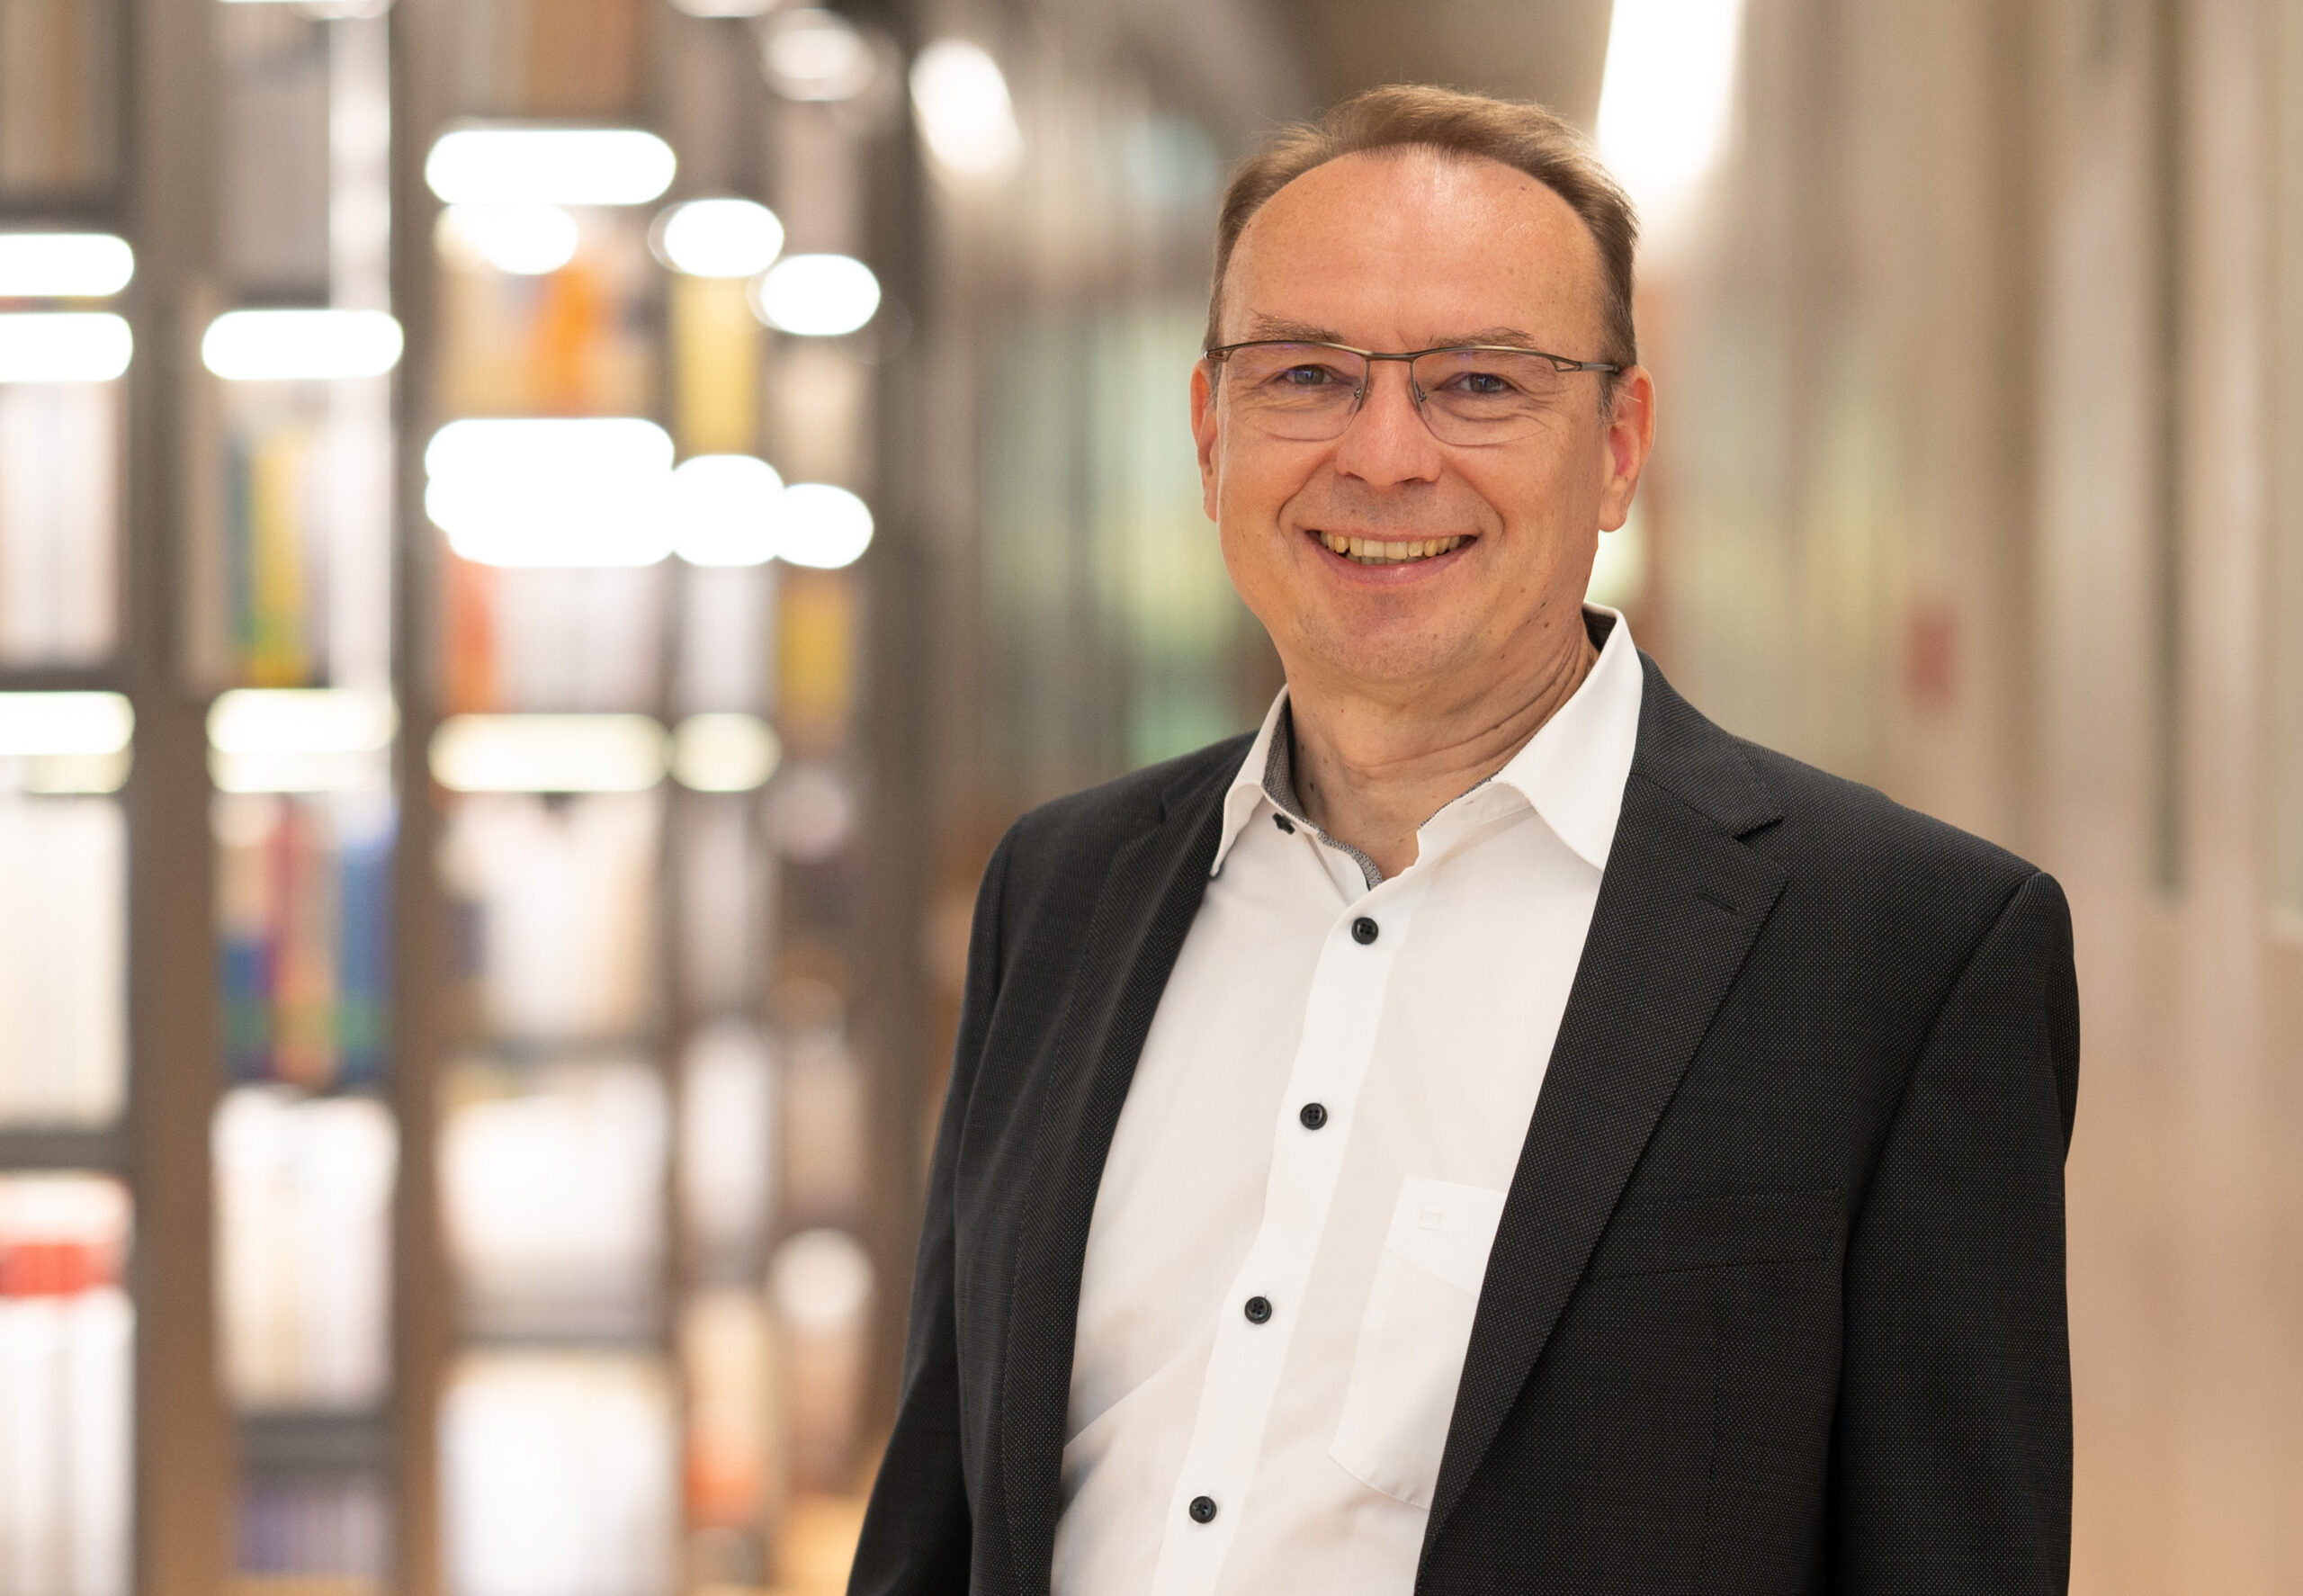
(532,165)
(63,346)
(300,740)
(550,491)
(720,752)
(549,754)
(63,265)
(1666,95)
(300,345)
(65,743)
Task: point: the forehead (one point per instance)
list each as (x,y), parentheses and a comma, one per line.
(1398,247)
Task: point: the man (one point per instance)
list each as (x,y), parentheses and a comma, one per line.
(1492,1130)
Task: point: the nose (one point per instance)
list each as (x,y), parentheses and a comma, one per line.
(1386,443)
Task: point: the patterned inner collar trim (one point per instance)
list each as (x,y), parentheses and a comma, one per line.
(1279,786)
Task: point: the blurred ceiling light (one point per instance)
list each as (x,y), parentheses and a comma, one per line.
(726,510)
(521,241)
(65,743)
(965,114)
(300,740)
(809,54)
(32,724)
(824,526)
(721,237)
(63,265)
(723,753)
(713,8)
(63,346)
(300,345)
(817,296)
(821,1281)
(1664,101)
(574,491)
(549,166)
(548,754)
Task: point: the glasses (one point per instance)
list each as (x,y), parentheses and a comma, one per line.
(1468,394)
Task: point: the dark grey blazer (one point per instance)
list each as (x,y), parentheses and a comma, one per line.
(1776,1301)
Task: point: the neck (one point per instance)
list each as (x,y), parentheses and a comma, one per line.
(1369,770)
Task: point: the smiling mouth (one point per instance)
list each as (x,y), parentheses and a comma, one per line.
(1362,551)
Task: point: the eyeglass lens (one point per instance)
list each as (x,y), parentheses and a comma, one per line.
(1308,393)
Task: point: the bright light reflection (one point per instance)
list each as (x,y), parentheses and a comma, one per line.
(722,238)
(817,296)
(63,265)
(723,753)
(301,720)
(965,114)
(815,55)
(725,510)
(548,754)
(300,345)
(549,166)
(300,740)
(824,526)
(1665,101)
(63,346)
(587,491)
(37,724)
(521,241)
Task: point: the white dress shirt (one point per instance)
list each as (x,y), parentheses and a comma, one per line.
(1277,1299)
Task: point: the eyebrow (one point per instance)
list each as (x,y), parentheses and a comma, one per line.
(1305,332)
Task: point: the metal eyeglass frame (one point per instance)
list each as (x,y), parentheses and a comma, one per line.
(1559,363)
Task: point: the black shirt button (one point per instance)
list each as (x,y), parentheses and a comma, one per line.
(1203,1508)
(1258,1309)
(1312,1116)
(1364,930)
(1281,822)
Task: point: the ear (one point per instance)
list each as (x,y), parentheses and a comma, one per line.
(1204,432)
(1628,436)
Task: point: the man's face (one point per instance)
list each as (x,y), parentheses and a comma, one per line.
(1405,250)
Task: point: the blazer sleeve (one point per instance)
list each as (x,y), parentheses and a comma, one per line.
(1951,1455)
(918,1529)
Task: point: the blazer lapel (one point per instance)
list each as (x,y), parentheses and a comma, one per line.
(1679,907)
(1151,892)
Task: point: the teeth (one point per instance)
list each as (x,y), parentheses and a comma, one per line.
(1375,551)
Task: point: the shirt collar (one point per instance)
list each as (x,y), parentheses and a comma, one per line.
(1572,772)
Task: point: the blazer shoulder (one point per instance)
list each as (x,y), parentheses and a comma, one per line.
(1076,833)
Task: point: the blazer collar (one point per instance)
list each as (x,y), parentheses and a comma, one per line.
(1679,907)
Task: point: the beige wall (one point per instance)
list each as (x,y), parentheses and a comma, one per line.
(1972,362)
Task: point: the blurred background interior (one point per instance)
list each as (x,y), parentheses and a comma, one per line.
(541,542)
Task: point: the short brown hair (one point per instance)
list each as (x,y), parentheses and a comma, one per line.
(1520,134)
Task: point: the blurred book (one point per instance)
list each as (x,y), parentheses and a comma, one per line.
(304,1244)
(726,902)
(307,1537)
(726,640)
(272,127)
(66,1335)
(559,1475)
(303,907)
(573,341)
(557,900)
(59,515)
(552,1188)
(577,640)
(275,555)
(58,118)
(819,1284)
(733,1434)
(62,961)
(727,1163)
(550,58)
(824,1126)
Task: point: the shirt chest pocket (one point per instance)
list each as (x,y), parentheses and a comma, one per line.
(1410,1359)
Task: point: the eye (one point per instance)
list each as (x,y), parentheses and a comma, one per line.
(1308,374)
(1481,384)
